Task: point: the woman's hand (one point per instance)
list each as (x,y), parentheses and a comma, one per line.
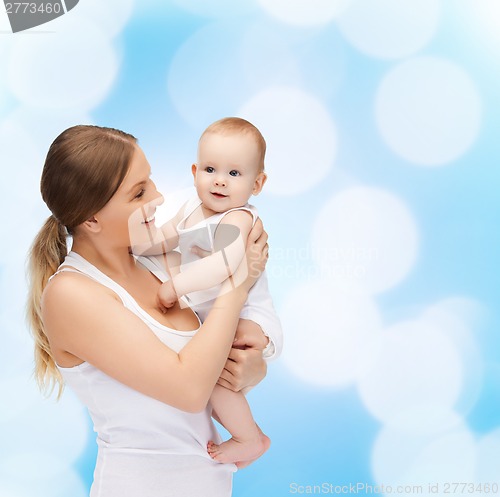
(257,253)
(253,263)
(245,366)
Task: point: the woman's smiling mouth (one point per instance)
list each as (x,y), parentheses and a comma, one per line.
(149,220)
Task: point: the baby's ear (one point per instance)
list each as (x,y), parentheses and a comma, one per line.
(193,170)
(260,180)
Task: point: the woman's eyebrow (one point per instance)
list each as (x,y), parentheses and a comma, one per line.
(140,183)
(143,182)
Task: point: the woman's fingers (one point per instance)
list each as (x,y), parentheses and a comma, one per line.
(257,254)
(244,368)
(266,250)
(229,380)
(226,374)
(256,231)
(227,384)
(231,376)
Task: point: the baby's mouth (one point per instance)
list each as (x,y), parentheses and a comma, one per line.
(218,195)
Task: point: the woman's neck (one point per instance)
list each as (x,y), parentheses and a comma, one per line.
(114,262)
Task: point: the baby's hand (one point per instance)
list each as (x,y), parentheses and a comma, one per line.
(167,295)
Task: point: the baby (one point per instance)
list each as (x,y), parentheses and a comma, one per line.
(229,171)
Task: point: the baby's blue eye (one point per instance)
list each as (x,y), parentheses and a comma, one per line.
(209,169)
(234,173)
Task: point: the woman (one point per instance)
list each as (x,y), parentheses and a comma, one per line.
(145,376)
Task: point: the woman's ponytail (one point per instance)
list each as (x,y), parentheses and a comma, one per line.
(47,252)
(84,168)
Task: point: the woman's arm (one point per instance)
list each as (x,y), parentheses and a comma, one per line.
(88,321)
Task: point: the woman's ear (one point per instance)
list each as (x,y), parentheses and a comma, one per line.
(92,225)
(260,180)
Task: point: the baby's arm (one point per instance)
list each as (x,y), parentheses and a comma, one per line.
(230,240)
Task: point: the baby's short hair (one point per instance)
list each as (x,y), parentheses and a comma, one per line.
(229,125)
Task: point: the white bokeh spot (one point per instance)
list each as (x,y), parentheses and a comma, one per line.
(457,317)
(41,127)
(110,16)
(414,367)
(16,355)
(4,27)
(487,14)
(416,458)
(390,28)
(5,47)
(19,152)
(326,339)
(428,111)
(205,80)
(215,8)
(73,70)
(267,57)
(488,455)
(365,237)
(304,12)
(300,134)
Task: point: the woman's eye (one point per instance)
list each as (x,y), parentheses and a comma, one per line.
(141,193)
(234,173)
(209,169)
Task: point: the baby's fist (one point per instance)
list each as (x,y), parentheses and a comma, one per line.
(167,295)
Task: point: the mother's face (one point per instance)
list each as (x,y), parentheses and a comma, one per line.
(128,218)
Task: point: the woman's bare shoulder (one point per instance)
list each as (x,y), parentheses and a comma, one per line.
(69,287)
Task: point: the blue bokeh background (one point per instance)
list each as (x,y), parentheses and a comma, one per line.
(382,120)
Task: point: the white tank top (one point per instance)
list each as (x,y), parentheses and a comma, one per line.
(136,433)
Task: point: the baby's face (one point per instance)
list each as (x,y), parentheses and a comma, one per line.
(227,173)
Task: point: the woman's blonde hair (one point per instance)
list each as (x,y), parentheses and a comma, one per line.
(84,167)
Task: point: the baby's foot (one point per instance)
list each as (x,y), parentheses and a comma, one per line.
(242,453)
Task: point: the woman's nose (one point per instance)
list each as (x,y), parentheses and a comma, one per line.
(161,199)
(158,200)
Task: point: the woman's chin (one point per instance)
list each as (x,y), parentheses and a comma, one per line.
(145,239)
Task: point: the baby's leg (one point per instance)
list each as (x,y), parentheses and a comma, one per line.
(248,442)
